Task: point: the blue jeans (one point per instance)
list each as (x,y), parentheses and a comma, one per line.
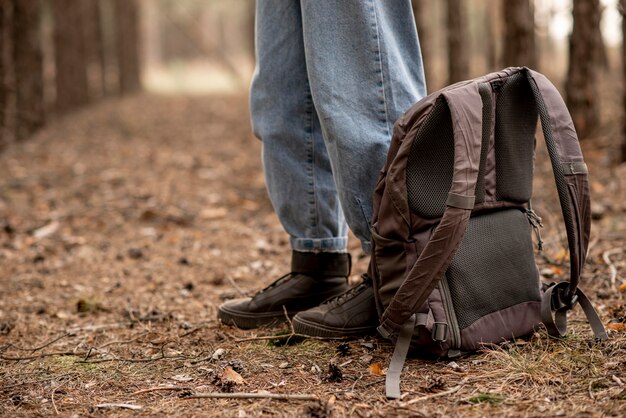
(332,77)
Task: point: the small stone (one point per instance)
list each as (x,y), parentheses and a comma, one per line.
(366,359)
(548,273)
(218,354)
(135,253)
(283,365)
(454,366)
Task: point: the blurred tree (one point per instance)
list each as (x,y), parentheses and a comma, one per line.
(94,47)
(581,86)
(3,5)
(27,62)
(69,55)
(127,45)
(519,33)
(458,54)
(490,38)
(422,11)
(622,9)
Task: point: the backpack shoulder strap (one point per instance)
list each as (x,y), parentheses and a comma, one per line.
(570,175)
(465,106)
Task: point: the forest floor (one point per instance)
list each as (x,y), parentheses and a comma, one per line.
(124,226)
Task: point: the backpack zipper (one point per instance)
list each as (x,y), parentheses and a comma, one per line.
(453,323)
(536,222)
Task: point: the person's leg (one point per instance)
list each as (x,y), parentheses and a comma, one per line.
(365,68)
(297,172)
(296,165)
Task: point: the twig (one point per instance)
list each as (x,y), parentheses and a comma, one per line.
(42,355)
(28,382)
(121,341)
(606,256)
(119,405)
(275,337)
(54,405)
(243,395)
(44,345)
(236,286)
(590,387)
(436,395)
(195,329)
(161,388)
(98,327)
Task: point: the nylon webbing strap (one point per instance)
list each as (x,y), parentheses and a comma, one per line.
(392,381)
(554,311)
(575,167)
(460,201)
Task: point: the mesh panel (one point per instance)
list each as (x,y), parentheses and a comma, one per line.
(516,121)
(494,267)
(485,94)
(430,163)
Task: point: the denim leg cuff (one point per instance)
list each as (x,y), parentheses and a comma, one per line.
(367,247)
(329,245)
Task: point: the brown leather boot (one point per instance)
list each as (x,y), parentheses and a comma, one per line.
(352,313)
(314,278)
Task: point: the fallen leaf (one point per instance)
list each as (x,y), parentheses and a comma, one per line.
(622,287)
(376,369)
(230,375)
(617,326)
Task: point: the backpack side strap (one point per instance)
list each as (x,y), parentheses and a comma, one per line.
(556,323)
(570,175)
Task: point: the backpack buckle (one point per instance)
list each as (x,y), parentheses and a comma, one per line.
(560,299)
(439,332)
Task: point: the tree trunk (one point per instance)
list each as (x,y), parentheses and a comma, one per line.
(3,95)
(69,56)
(491,45)
(623,147)
(458,57)
(519,34)
(94,47)
(581,87)
(423,19)
(28,67)
(127,45)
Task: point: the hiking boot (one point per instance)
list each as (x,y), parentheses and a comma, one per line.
(314,278)
(351,314)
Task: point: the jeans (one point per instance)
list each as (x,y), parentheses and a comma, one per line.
(331,78)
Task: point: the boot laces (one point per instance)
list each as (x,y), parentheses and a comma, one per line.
(350,293)
(276,282)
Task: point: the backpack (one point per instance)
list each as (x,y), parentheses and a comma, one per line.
(453,265)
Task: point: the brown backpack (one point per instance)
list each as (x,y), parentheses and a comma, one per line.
(453,265)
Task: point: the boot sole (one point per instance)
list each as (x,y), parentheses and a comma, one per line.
(312,329)
(246,320)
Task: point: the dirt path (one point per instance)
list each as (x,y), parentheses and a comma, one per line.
(123,227)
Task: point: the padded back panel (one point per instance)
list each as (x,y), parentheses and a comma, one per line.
(516,122)
(494,267)
(430,163)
